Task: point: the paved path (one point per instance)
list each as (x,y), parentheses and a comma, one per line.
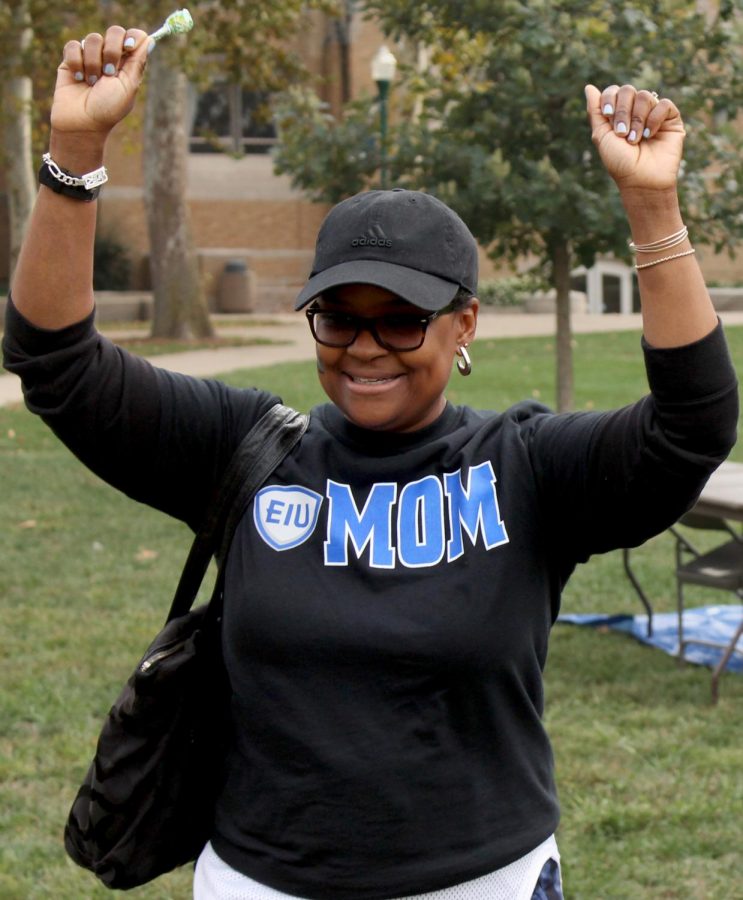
(296,342)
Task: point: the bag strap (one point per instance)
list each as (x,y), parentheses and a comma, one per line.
(257,455)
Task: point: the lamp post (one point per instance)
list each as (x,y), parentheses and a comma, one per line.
(383,72)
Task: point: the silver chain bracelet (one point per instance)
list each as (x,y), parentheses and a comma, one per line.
(89,182)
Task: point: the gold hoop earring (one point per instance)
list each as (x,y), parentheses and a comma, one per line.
(465,366)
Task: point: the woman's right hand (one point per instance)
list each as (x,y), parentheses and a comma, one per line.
(97,83)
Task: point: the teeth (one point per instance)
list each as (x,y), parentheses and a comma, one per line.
(359,380)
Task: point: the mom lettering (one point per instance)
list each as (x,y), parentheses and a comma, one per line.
(430,519)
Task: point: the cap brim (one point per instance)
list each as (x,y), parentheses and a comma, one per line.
(419,288)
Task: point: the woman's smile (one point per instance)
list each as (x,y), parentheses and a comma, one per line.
(369,382)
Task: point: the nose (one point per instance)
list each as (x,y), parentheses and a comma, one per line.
(365,345)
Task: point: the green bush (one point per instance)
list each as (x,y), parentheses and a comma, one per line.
(511,291)
(112,267)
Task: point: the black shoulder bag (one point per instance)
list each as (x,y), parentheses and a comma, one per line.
(146,805)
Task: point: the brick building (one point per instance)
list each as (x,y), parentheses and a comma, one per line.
(240,209)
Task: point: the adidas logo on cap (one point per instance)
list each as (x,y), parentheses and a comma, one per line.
(374,237)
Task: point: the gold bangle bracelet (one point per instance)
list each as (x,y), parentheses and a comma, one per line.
(663,259)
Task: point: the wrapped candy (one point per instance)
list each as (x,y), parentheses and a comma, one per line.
(178,22)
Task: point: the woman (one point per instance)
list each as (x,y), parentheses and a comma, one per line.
(386,669)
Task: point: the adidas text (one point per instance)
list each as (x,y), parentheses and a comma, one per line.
(371,242)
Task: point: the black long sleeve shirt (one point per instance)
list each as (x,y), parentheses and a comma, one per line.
(389,597)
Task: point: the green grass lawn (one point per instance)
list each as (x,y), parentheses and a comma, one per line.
(649,772)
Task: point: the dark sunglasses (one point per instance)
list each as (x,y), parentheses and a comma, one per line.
(395,331)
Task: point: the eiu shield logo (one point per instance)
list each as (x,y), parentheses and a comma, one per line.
(286,516)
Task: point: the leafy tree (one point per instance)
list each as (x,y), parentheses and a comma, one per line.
(247,45)
(244,43)
(496,125)
(15,26)
(30,32)
(328,158)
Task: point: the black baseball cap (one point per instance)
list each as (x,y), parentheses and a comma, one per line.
(407,242)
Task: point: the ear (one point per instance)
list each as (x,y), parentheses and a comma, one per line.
(467,323)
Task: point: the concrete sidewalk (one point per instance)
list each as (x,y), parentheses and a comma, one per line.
(297,344)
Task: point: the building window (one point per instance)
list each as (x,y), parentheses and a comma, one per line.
(227,117)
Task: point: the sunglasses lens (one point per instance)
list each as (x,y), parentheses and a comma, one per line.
(401,332)
(333,329)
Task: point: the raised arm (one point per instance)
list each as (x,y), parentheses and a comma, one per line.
(96,87)
(640,141)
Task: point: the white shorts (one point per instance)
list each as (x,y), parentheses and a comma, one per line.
(215,880)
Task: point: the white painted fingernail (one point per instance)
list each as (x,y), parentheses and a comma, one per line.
(621,128)
(608,110)
(129,43)
(92,80)
(632,136)
(109,69)
(646,133)
(78,76)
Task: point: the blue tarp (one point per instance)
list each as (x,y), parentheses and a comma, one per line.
(712,623)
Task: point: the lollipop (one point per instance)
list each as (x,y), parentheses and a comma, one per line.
(178,22)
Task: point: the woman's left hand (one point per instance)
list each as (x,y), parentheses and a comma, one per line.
(639,137)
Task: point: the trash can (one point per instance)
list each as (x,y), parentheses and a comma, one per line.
(233,291)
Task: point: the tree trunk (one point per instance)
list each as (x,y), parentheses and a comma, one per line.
(19,173)
(180,309)
(564,338)
(343,36)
